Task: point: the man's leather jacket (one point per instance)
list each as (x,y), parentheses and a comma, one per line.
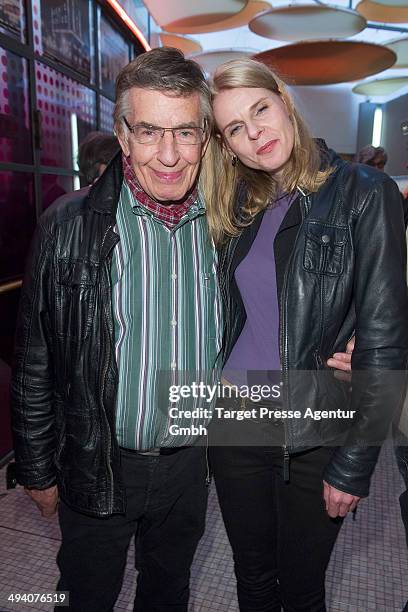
(340,264)
(64,379)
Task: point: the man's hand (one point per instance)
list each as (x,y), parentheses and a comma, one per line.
(337,502)
(45,500)
(342,361)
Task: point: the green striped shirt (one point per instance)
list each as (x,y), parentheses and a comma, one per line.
(167,317)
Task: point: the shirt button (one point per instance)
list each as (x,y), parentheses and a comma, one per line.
(173,322)
(174,276)
(173,365)
(325,239)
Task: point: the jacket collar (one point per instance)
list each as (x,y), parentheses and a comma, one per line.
(293,216)
(104,194)
(328,157)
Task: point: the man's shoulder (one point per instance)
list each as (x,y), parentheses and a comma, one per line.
(65,207)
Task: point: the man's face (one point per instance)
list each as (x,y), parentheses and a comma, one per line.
(166,170)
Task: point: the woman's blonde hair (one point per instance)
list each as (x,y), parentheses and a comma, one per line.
(220,179)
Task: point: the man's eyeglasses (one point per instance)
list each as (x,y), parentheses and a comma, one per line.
(152,134)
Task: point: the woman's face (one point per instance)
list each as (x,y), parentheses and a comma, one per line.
(256,127)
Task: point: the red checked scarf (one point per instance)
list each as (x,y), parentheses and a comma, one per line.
(169,214)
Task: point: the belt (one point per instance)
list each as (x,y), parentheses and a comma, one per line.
(155,452)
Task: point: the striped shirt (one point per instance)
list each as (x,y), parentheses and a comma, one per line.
(167,319)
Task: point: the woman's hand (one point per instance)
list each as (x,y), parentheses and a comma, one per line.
(342,361)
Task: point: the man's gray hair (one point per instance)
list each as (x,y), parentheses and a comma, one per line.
(164,69)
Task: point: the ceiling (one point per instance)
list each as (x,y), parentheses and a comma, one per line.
(243,38)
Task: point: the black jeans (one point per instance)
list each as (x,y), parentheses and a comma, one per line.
(166,506)
(280,533)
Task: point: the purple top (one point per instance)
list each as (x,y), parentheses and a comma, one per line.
(257,347)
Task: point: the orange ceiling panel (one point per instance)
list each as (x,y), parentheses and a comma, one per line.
(327,62)
(186,45)
(381,12)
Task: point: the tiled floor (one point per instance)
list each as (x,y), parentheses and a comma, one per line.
(368,570)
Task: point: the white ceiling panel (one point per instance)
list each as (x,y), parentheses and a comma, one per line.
(212,59)
(193,12)
(307,22)
(400,47)
(380,87)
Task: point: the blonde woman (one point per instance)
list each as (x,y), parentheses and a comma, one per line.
(312,252)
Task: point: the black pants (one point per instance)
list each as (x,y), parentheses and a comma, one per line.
(401,454)
(280,533)
(166,505)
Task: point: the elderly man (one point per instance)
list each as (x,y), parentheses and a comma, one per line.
(121,287)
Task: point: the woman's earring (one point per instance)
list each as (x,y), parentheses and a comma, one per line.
(234,160)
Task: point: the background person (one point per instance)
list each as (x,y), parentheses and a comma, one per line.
(372,156)
(94,154)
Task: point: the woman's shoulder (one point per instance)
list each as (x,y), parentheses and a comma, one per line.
(353,178)
(364,186)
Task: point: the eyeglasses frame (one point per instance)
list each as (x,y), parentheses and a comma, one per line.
(167,129)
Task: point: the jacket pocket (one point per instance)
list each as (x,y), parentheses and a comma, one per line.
(76,295)
(324,248)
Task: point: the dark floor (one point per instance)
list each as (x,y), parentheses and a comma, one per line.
(368,570)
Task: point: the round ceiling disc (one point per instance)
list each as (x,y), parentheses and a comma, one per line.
(379,12)
(307,22)
(326,62)
(210,60)
(393,3)
(186,45)
(192,12)
(253,7)
(380,87)
(400,47)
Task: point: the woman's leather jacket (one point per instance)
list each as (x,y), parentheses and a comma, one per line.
(340,264)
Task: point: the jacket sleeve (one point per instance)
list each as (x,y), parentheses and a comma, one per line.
(381,348)
(32,385)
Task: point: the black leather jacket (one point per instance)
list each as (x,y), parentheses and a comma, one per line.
(340,263)
(64,378)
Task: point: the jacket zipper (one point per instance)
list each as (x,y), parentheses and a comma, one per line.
(286,464)
(109,444)
(283,350)
(208,475)
(283,341)
(105,370)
